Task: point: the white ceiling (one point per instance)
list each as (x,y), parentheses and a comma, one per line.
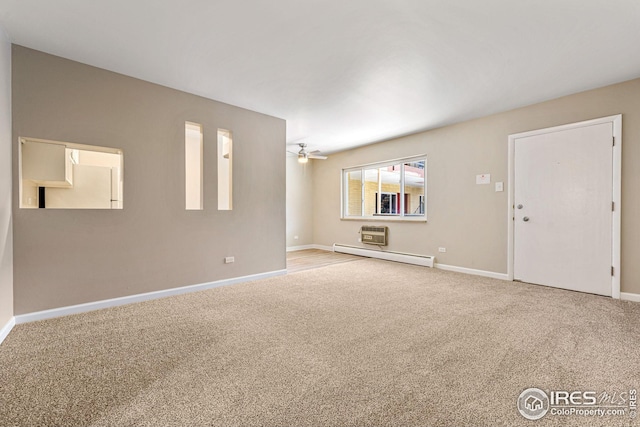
(347,73)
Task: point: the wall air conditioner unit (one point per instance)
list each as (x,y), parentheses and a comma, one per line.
(374,235)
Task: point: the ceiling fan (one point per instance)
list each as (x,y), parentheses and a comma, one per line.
(304,155)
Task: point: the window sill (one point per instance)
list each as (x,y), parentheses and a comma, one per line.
(384,218)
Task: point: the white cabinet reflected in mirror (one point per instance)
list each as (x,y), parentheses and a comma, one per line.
(61,175)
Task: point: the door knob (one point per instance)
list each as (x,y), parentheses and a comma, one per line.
(519,206)
(525,219)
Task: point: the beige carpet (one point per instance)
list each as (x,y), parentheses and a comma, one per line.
(364,343)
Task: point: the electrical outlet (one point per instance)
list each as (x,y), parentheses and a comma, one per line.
(442,249)
(295,237)
(229,260)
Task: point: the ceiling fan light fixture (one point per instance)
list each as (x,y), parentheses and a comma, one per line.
(304,155)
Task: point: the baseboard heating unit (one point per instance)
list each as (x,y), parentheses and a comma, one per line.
(423,260)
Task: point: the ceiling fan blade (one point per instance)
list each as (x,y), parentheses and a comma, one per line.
(317,157)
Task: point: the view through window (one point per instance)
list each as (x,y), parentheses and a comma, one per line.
(387,189)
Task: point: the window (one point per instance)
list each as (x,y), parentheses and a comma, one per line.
(386,190)
(62,175)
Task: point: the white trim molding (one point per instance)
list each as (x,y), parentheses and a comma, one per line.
(299,248)
(7,328)
(306,247)
(616,121)
(628,296)
(483,273)
(114,302)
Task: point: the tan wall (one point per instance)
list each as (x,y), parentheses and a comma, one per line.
(471,220)
(6,242)
(299,202)
(65,257)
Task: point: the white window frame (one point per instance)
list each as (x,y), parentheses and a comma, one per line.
(401,216)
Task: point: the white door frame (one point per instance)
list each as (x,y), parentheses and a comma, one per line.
(617,192)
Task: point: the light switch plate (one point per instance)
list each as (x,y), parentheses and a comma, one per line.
(485,178)
(499,186)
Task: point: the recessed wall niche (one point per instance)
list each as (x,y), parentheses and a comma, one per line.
(193,166)
(225,170)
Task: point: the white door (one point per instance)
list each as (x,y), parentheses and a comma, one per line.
(563,193)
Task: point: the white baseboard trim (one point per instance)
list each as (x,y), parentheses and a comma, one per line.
(299,248)
(492,274)
(114,302)
(323,248)
(305,247)
(7,328)
(628,296)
